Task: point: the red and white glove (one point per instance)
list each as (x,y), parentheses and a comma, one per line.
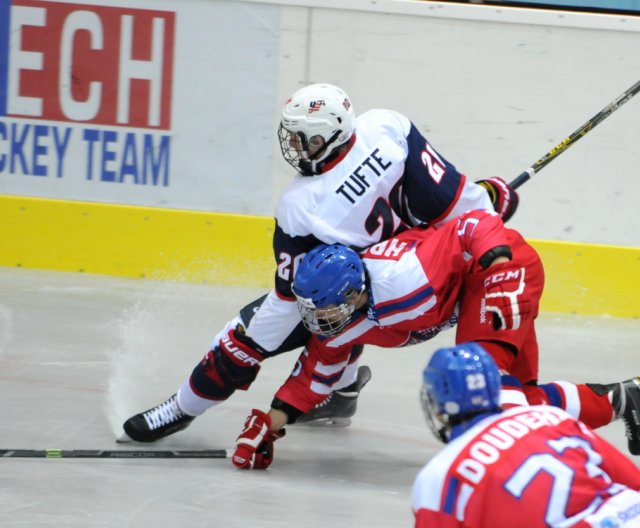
(505,297)
(255,444)
(503,197)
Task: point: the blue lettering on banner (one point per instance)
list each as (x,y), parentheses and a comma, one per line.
(138,158)
(113,156)
(32,150)
(105,129)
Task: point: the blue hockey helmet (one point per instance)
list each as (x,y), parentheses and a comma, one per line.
(459,383)
(327,285)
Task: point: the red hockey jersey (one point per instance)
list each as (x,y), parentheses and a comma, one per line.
(416,282)
(529,467)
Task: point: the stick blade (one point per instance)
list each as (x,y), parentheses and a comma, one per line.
(113,453)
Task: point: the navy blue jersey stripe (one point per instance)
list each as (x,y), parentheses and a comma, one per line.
(405,304)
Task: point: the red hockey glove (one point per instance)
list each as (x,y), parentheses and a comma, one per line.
(255,444)
(504,297)
(503,197)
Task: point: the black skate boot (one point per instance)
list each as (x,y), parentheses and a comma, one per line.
(340,405)
(625,398)
(154,424)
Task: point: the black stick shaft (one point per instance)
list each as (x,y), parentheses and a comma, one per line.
(581,132)
(106,453)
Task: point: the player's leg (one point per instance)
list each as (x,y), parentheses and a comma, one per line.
(594,404)
(598,404)
(513,346)
(339,407)
(341,404)
(518,366)
(231,363)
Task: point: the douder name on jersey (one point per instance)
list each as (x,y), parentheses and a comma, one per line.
(491,445)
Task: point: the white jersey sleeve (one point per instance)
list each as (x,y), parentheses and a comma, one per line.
(390,178)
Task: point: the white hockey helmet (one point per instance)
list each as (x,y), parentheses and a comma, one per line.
(316,121)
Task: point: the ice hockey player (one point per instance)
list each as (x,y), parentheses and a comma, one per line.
(359,181)
(472,273)
(528,466)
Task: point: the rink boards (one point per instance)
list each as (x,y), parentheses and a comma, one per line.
(228,249)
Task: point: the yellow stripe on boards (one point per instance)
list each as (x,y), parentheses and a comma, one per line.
(227,249)
(590,279)
(130,241)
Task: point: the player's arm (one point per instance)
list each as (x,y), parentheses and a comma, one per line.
(427,496)
(309,384)
(432,185)
(501,292)
(273,322)
(318,368)
(435,192)
(504,198)
(482,235)
(288,251)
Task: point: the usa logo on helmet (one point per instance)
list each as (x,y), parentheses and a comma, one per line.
(314,106)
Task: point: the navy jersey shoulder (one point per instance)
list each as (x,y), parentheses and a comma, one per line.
(288,251)
(432,184)
(349,204)
(391,178)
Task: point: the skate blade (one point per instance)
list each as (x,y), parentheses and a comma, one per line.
(326,422)
(124,438)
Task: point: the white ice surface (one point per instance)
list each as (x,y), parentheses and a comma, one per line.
(80,353)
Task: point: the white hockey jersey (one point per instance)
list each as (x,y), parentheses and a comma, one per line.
(391,178)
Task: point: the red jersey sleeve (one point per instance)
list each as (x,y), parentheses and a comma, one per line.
(480,231)
(431,519)
(318,368)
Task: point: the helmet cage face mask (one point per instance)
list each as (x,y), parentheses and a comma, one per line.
(300,151)
(459,383)
(437,422)
(320,114)
(329,320)
(328,285)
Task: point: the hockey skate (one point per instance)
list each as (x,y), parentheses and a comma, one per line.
(626,404)
(156,423)
(625,399)
(338,408)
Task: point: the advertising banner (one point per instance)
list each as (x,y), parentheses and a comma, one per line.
(100,102)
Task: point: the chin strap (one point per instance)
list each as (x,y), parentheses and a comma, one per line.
(314,167)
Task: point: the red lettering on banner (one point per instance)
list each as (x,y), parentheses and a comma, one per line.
(91,64)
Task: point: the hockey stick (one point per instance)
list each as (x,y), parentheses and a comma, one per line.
(582,131)
(106,453)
